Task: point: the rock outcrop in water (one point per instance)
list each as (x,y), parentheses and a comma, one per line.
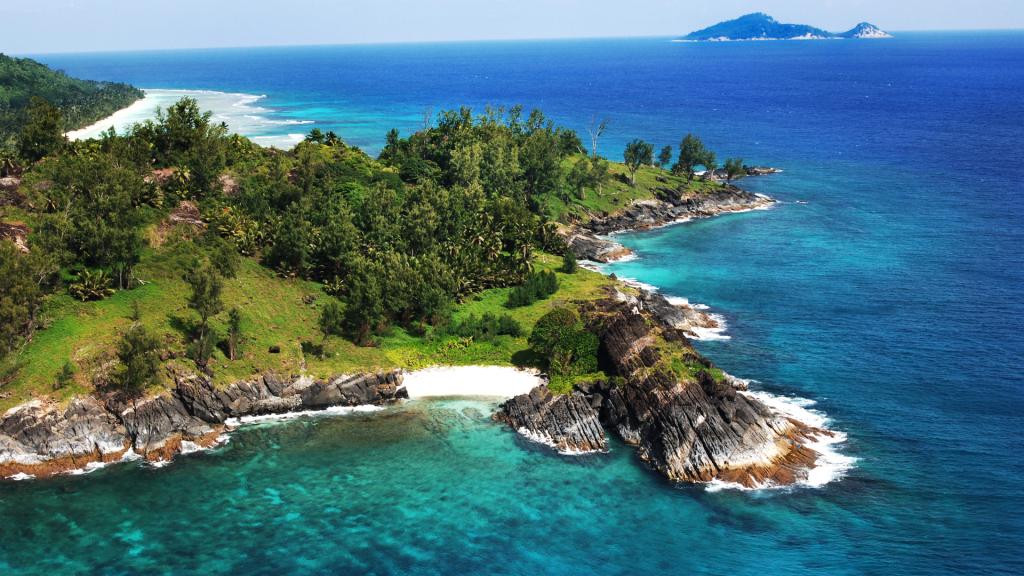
(41,439)
(685,418)
(568,422)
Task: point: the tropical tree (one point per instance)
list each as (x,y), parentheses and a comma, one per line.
(138,354)
(566,345)
(665,156)
(638,153)
(691,154)
(205,297)
(710,164)
(596,129)
(365,310)
(20,296)
(733,168)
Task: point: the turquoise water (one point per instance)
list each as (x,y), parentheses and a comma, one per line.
(886,287)
(431,487)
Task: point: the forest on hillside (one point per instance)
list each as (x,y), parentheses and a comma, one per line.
(81,102)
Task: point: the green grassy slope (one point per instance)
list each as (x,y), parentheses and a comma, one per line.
(275,311)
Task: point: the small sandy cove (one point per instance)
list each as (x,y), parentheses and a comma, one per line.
(485,381)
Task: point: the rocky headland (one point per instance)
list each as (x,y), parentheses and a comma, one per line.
(669,206)
(687,420)
(40,439)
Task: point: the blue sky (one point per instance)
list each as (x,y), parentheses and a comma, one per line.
(36,26)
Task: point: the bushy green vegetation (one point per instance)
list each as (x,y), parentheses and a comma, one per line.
(566,346)
(138,353)
(537,286)
(486,327)
(180,242)
(80,102)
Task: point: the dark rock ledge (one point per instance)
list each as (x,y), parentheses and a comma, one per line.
(45,439)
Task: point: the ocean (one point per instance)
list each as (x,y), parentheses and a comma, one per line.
(884,292)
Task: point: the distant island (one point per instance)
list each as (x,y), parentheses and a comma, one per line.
(760,26)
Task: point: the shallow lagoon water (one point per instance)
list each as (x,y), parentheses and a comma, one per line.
(887,287)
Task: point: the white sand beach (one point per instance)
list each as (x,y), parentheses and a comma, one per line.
(482,381)
(122,119)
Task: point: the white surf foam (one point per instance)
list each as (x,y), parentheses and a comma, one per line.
(239,111)
(331,411)
(21,476)
(717,332)
(88,468)
(547,441)
(637,283)
(680,301)
(831,464)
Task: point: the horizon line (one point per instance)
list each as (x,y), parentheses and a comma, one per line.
(453,41)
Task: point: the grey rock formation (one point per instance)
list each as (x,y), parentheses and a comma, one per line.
(34,433)
(674,206)
(42,439)
(587,246)
(565,422)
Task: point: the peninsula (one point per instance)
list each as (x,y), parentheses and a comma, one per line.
(760,26)
(165,285)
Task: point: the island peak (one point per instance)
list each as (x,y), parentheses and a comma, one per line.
(761,26)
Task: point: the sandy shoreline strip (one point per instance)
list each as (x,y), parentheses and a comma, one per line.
(140,108)
(471,381)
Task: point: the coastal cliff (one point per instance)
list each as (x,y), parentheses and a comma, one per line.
(686,418)
(44,439)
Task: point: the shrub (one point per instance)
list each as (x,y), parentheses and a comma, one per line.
(569,265)
(566,345)
(486,327)
(224,256)
(332,320)
(201,347)
(91,285)
(537,286)
(138,353)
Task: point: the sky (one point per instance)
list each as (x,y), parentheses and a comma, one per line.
(41,26)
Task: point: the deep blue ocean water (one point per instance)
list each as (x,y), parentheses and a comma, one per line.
(886,286)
